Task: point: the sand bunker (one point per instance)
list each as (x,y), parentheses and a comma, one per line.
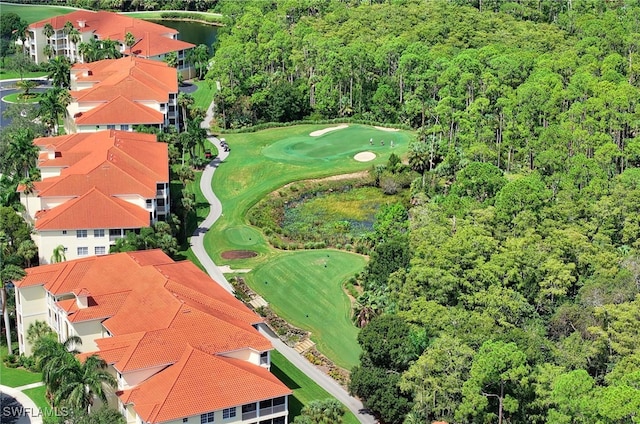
(365,156)
(238,254)
(226,269)
(326,130)
(387,129)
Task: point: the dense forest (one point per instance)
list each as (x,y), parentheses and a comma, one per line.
(508,290)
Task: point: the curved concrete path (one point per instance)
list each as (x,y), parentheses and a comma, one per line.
(197,245)
(18,408)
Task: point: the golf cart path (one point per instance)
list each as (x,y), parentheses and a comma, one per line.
(197,245)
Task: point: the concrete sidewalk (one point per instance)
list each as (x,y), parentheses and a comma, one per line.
(18,408)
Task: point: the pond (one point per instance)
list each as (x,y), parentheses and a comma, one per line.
(192,32)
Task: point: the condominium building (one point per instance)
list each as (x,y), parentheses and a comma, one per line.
(181,348)
(152,41)
(122,93)
(94,189)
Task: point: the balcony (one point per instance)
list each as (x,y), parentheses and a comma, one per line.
(249,415)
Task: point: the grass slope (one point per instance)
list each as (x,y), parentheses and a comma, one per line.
(305,288)
(304,389)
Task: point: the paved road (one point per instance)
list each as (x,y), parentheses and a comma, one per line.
(9,87)
(197,244)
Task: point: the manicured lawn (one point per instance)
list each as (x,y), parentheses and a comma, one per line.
(305,288)
(38,395)
(15,377)
(157,14)
(264,161)
(304,389)
(7,74)
(261,163)
(34,13)
(17,98)
(203,96)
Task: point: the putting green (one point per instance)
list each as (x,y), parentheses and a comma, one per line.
(305,288)
(243,235)
(340,143)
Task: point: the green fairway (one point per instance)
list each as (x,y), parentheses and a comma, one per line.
(304,389)
(305,288)
(34,13)
(338,144)
(264,161)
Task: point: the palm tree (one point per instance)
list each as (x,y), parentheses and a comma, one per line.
(321,411)
(26,86)
(82,381)
(171,59)
(199,57)
(74,37)
(37,330)
(8,273)
(368,306)
(22,152)
(53,105)
(58,255)
(54,359)
(420,158)
(110,49)
(49,51)
(59,68)
(185,101)
(67,28)
(27,250)
(48,30)
(129,41)
(90,51)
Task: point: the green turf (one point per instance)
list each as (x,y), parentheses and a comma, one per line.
(15,377)
(8,74)
(304,389)
(38,395)
(264,161)
(305,288)
(212,18)
(17,98)
(248,174)
(34,13)
(203,96)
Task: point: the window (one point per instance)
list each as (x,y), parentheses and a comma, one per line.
(149,203)
(229,413)
(98,233)
(81,233)
(111,127)
(64,232)
(264,358)
(83,251)
(206,418)
(100,250)
(185,420)
(124,127)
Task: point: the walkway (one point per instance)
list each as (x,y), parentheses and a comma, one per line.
(18,408)
(197,245)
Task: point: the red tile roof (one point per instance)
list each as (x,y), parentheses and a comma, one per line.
(121,111)
(155,39)
(154,322)
(200,383)
(113,163)
(93,209)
